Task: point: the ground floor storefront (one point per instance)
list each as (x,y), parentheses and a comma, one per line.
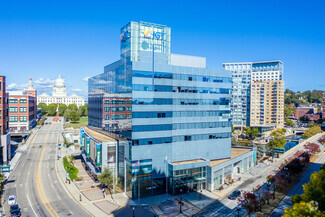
(221,172)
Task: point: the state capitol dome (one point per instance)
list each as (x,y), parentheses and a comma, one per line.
(59,88)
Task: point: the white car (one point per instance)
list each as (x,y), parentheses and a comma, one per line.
(11,200)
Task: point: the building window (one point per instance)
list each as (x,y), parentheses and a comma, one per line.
(13,100)
(13,109)
(13,118)
(23,101)
(23,118)
(23,109)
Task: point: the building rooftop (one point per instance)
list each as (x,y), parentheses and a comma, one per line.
(187,162)
(99,136)
(235,152)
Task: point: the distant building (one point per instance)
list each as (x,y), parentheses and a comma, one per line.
(59,96)
(23,109)
(302,111)
(267,104)
(244,75)
(4,124)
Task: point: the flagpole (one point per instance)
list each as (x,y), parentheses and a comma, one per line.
(166,179)
(166,160)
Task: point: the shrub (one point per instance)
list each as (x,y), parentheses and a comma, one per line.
(69,168)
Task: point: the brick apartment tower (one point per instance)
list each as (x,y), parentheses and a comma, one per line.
(4,126)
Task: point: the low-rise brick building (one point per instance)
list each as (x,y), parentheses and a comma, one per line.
(23,109)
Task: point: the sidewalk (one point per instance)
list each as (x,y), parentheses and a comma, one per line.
(20,150)
(92,198)
(164,205)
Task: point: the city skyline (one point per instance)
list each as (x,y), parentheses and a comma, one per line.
(87,37)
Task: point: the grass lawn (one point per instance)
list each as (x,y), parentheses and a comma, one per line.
(81,123)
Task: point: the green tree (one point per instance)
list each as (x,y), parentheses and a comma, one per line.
(247,131)
(74,116)
(43,107)
(314,190)
(62,109)
(73,107)
(106,178)
(312,131)
(290,122)
(303,209)
(52,109)
(278,140)
(84,110)
(254,132)
(289,111)
(67,114)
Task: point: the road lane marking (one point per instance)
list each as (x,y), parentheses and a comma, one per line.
(220,208)
(59,197)
(30,204)
(39,185)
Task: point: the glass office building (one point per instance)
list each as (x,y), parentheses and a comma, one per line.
(174,112)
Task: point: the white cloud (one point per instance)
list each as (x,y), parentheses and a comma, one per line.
(43,82)
(86,79)
(77,90)
(14,86)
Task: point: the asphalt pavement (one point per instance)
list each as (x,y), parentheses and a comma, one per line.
(298,188)
(226,207)
(35,182)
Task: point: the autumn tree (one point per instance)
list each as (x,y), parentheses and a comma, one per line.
(249,201)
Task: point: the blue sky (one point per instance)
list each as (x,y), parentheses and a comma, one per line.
(42,39)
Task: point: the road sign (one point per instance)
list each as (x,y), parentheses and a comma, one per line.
(59,145)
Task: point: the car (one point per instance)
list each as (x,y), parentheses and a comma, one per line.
(234,195)
(15,210)
(11,200)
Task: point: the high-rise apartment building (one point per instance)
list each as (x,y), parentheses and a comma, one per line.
(173,111)
(4,125)
(244,75)
(267,103)
(23,109)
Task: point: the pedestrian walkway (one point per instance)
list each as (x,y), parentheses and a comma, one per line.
(20,150)
(92,198)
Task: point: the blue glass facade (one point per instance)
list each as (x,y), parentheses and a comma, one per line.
(179,112)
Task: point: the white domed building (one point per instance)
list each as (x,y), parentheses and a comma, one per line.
(59,96)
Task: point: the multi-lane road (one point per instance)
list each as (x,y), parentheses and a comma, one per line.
(35,182)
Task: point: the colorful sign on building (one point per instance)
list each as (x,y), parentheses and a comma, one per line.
(98,155)
(82,140)
(88,147)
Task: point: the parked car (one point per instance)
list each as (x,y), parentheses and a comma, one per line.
(11,200)
(234,195)
(15,210)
